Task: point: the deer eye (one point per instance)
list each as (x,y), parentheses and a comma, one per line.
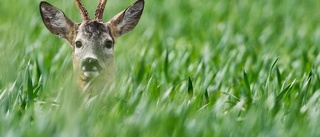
(108,44)
(78,44)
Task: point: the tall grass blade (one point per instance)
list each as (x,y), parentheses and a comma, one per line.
(279,78)
(190,87)
(206,95)
(247,86)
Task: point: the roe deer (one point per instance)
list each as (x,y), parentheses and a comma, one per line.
(92,40)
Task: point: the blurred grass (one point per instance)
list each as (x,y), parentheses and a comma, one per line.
(215,67)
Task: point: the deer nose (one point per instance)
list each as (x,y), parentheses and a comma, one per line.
(90,64)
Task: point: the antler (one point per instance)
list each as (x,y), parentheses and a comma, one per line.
(83,11)
(100,9)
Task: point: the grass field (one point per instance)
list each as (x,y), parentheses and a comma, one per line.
(190,68)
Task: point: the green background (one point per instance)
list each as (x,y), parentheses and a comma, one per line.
(189,68)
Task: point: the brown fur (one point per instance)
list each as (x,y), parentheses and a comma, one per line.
(93,35)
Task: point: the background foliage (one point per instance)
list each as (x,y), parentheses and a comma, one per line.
(190,68)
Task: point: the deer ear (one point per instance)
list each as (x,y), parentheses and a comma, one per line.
(126,20)
(55,20)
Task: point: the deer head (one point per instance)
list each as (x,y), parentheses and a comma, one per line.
(92,40)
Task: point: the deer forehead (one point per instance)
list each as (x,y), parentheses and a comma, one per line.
(93,35)
(93,32)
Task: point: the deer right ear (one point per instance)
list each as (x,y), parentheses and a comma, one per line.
(126,20)
(55,20)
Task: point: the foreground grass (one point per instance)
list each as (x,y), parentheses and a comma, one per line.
(223,68)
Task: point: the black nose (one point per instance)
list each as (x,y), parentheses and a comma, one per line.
(90,64)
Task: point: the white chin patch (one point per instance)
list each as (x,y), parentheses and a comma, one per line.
(91,74)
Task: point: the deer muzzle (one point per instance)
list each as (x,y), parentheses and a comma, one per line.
(90,67)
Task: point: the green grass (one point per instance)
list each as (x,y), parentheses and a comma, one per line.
(190,68)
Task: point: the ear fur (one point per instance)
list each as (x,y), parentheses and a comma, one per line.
(55,20)
(126,20)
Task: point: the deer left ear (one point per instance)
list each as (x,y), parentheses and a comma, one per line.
(55,20)
(126,20)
